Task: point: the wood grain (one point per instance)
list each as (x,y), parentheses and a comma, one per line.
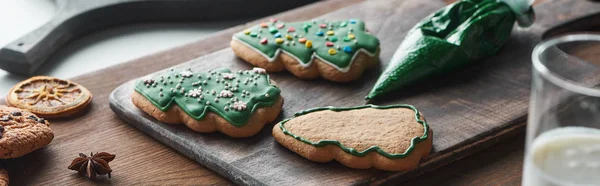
(468,110)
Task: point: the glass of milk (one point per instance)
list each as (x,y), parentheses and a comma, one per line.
(563,130)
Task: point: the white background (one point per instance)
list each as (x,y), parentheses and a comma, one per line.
(99,49)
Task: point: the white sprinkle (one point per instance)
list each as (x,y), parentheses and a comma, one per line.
(195,92)
(226,94)
(186,73)
(239,106)
(228,76)
(259,70)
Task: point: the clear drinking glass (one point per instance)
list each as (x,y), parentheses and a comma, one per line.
(563,131)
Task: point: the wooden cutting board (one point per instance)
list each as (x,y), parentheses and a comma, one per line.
(468,110)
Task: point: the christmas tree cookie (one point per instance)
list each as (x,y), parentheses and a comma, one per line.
(392,138)
(336,50)
(237,104)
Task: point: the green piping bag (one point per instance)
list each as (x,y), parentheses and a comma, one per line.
(454,36)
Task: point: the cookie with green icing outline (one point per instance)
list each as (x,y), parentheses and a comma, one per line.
(338,51)
(392,138)
(237,104)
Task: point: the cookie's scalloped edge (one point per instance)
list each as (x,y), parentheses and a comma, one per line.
(353,151)
(313,56)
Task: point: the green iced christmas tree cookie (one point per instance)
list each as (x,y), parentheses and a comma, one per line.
(336,43)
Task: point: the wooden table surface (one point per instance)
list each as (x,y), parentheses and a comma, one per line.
(142,160)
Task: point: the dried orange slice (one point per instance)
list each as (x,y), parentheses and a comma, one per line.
(49,97)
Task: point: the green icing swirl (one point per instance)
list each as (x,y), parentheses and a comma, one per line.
(246,87)
(352,151)
(341,59)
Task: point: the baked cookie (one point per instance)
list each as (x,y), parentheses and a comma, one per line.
(3,177)
(49,97)
(237,104)
(22,132)
(392,138)
(338,51)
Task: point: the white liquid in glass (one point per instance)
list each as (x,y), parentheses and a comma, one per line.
(564,156)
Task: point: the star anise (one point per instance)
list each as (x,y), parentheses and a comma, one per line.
(92,165)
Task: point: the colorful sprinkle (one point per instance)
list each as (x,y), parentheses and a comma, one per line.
(343,24)
(330,33)
(308,44)
(278,40)
(353,21)
(348,49)
(291,29)
(347,39)
(333,39)
(273,20)
(277,35)
(280,25)
(253,34)
(351,36)
(306,27)
(264,25)
(332,51)
(263,41)
(320,33)
(288,37)
(273,30)
(247,32)
(302,40)
(329,44)
(323,25)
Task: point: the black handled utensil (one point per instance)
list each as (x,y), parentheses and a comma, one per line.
(77,18)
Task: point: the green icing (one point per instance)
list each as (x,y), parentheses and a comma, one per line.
(352,151)
(309,30)
(198,93)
